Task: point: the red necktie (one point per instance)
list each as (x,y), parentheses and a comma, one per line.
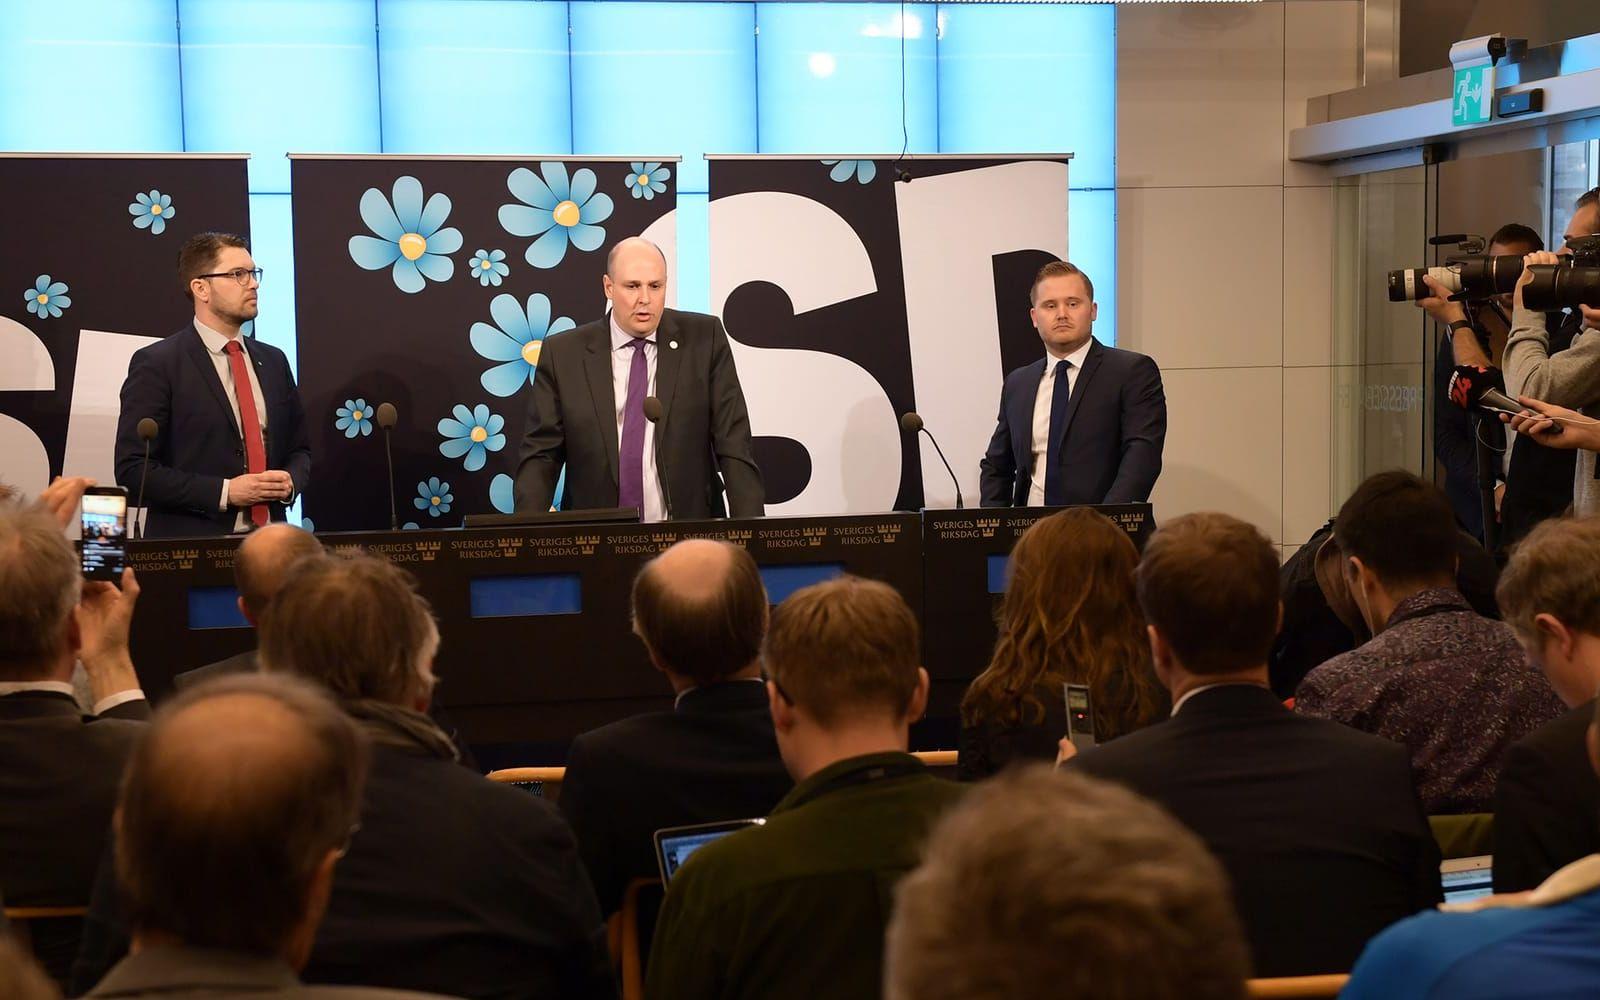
(255,451)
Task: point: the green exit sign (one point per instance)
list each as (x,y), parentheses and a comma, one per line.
(1473,97)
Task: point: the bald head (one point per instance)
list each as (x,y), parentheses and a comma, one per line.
(636,284)
(701,610)
(231,807)
(263,560)
(635,250)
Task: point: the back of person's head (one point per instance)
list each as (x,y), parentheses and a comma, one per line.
(263,560)
(1043,884)
(356,625)
(39,585)
(1069,615)
(1549,592)
(1402,530)
(233,808)
(701,610)
(843,650)
(1208,584)
(1517,237)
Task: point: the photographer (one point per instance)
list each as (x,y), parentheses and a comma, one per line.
(1560,367)
(1476,335)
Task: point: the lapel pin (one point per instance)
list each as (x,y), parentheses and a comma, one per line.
(672,345)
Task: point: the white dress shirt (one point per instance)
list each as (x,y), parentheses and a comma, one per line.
(621,363)
(1041,414)
(216,346)
(105,704)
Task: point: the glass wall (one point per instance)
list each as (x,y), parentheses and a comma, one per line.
(600,77)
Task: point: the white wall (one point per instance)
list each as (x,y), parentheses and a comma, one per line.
(1225,249)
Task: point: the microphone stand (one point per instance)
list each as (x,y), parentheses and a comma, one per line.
(144,470)
(940,452)
(1486,458)
(388,455)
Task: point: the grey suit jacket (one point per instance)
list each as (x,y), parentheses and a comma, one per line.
(704,429)
(197,973)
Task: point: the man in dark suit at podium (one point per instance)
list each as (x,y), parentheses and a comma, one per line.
(210,474)
(1085,423)
(587,408)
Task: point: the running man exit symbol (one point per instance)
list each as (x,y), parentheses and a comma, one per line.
(1474,95)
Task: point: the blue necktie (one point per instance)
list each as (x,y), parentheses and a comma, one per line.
(1058,423)
(630,477)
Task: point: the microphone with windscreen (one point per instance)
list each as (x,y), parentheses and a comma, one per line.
(655,413)
(1483,388)
(911,423)
(148,429)
(387,418)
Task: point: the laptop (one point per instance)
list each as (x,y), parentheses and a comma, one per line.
(675,843)
(1467,878)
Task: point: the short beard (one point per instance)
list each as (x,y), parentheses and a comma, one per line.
(235,319)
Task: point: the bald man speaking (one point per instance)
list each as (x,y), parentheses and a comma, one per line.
(587,411)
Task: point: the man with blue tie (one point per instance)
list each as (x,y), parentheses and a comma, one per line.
(211,472)
(1085,423)
(586,412)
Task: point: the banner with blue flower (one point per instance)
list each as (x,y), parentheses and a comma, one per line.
(431,284)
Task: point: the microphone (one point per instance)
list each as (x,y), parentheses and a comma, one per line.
(1483,388)
(387,417)
(912,424)
(654,413)
(147,433)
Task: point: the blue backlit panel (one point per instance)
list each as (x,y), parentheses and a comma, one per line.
(663,79)
(474,76)
(828,76)
(525,596)
(999,566)
(694,253)
(96,75)
(272,246)
(1092,245)
(270,78)
(215,607)
(781,581)
(1031,78)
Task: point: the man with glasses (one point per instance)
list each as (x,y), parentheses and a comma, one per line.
(211,473)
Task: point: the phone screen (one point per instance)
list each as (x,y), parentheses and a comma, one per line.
(105,535)
(1080,716)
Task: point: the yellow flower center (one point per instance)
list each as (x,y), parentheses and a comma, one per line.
(412,246)
(643,180)
(566,214)
(480,434)
(484,265)
(155,209)
(530,351)
(356,415)
(42,298)
(434,501)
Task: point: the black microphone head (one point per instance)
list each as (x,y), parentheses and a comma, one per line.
(1469,383)
(652,409)
(148,429)
(387,417)
(910,422)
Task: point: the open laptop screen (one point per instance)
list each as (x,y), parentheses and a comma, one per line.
(676,843)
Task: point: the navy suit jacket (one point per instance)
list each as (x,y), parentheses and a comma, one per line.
(199,444)
(1110,447)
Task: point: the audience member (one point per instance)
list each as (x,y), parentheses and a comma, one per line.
(22,978)
(1042,885)
(797,907)
(1451,685)
(1547,802)
(1317,825)
(59,766)
(234,815)
(259,566)
(1541,944)
(701,612)
(1320,617)
(1068,616)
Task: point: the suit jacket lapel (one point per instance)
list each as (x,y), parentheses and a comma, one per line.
(1090,363)
(1021,418)
(597,366)
(666,362)
(195,348)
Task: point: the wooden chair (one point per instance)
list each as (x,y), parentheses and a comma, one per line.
(624,936)
(1297,987)
(549,779)
(1465,836)
(19,917)
(936,758)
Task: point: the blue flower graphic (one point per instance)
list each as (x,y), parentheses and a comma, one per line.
(514,340)
(487,267)
(433,497)
(864,170)
(472,433)
(556,211)
(306,523)
(151,211)
(411,236)
(355,417)
(501,494)
(47,298)
(647,180)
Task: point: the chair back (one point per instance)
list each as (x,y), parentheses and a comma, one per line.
(543,781)
(1465,836)
(1296,987)
(626,936)
(19,920)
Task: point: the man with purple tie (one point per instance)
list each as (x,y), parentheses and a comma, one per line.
(587,409)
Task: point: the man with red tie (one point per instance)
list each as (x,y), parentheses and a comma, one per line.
(230,451)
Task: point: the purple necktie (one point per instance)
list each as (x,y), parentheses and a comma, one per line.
(630,479)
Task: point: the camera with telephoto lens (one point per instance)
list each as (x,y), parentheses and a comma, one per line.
(1468,275)
(1572,283)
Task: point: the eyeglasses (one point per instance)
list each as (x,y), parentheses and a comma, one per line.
(239,274)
